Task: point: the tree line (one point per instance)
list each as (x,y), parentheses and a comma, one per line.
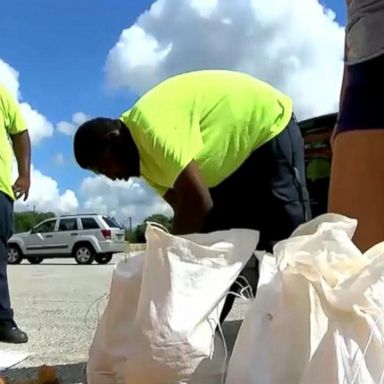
(138,234)
(25,221)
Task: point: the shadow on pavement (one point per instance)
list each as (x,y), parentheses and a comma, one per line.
(231,329)
(76,373)
(67,373)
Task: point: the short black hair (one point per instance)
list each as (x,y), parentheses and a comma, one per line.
(89,140)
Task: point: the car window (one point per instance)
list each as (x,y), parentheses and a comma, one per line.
(68,225)
(89,223)
(48,226)
(111,222)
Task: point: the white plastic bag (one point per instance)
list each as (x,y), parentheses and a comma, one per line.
(159,325)
(318,317)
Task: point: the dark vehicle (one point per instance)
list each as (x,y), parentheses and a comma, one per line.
(317,133)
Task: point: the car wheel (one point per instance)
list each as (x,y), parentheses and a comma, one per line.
(15,256)
(104,259)
(84,254)
(35,260)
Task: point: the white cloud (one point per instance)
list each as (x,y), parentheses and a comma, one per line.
(66,128)
(9,77)
(79,118)
(45,196)
(205,8)
(69,128)
(138,55)
(122,199)
(38,125)
(295,45)
(59,159)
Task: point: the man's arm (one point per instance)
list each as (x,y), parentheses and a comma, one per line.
(190,200)
(22,148)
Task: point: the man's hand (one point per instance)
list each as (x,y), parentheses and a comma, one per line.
(190,200)
(21,187)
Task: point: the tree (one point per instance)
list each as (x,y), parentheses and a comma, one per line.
(165,221)
(25,221)
(130,236)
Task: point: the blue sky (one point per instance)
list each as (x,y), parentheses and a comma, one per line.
(59,49)
(338,6)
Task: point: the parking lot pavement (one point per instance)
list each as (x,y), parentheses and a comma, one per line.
(51,302)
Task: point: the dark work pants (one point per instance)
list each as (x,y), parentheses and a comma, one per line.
(267,193)
(362,105)
(6,226)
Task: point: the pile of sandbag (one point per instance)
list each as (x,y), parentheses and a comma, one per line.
(318,316)
(160,323)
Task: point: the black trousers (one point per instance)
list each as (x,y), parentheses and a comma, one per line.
(6,228)
(267,193)
(362,106)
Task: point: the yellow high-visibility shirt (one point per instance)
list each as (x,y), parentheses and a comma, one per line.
(11,123)
(214,117)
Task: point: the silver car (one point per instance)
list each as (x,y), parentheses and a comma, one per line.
(87,238)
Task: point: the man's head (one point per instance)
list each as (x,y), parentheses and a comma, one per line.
(105,146)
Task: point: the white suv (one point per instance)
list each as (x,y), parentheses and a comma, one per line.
(85,237)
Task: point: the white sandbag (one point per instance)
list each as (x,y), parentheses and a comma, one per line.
(109,342)
(318,316)
(159,324)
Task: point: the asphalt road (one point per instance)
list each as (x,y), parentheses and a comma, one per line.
(58,303)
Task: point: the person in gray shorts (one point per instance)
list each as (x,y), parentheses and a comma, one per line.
(356,184)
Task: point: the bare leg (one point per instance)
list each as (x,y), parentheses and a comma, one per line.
(357,183)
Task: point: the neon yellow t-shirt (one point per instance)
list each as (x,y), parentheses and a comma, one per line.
(214,117)
(11,123)
(318,168)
